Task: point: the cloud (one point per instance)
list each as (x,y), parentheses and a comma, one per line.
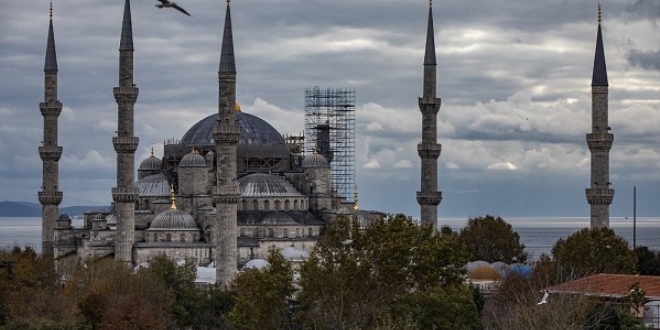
(502,166)
(403,164)
(372,164)
(649,60)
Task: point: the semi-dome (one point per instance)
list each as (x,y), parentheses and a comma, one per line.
(253,130)
(151,163)
(315,161)
(193,159)
(174,219)
(266,185)
(156,185)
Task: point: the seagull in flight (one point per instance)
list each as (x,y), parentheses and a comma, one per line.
(544,300)
(168,4)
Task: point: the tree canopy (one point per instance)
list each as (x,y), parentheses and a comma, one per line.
(391,270)
(492,239)
(591,251)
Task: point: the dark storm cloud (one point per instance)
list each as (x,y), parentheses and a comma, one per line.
(649,60)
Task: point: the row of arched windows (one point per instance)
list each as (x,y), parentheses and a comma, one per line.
(277,205)
(170,237)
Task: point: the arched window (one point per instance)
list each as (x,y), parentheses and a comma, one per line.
(270,232)
(255,205)
(146,204)
(285,233)
(266,205)
(195,237)
(277,205)
(287,205)
(297,232)
(295,204)
(302,204)
(168,237)
(310,232)
(244,205)
(182,237)
(255,232)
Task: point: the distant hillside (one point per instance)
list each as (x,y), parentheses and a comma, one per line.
(25,209)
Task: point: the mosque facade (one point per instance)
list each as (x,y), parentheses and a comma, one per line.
(222,195)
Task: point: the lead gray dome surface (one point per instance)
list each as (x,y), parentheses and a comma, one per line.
(174,220)
(253,130)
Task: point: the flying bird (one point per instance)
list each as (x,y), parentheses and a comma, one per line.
(168,4)
(544,300)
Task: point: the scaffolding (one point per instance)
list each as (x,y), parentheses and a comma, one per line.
(330,131)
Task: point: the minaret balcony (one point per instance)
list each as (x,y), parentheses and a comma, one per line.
(50,153)
(50,197)
(228,194)
(428,150)
(224,133)
(126,95)
(599,196)
(429,197)
(429,105)
(600,141)
(125,144)
(125,194)
(50,109)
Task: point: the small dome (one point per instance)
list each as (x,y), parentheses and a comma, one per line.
(153,185)
(174,219)
(193,159)
(295,254)
(256,264)
(152,163)
(315,161)
(266,185)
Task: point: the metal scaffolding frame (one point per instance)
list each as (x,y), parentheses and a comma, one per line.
(330,131)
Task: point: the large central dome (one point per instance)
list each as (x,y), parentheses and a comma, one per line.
(253,130)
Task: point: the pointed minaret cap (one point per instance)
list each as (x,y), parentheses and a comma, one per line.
(429,53)
(126,42)
(599,77)
(50,65)
(227,62)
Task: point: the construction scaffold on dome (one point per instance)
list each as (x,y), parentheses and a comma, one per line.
(330,131)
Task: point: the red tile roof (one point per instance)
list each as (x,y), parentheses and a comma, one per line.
(611,285)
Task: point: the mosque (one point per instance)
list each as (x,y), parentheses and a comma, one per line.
(225,192)
(233,186)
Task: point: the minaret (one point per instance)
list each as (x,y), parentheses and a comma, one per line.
(226,193)
(599,195)
(49,197)
(125,143)
(429,149)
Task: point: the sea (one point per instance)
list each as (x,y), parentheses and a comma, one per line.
(538,234)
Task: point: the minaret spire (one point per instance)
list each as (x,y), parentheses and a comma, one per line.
(429,150)
(226,193)
(600,194)
(125,143)
(49,196)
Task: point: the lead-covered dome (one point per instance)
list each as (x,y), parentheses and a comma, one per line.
(315,161)
(266,185)
(253,130)
(156,185)
(151,163)
(174,219)
(193,159)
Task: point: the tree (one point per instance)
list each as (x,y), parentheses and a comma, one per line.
(375,278)
(262,295)
(592,251)
(492,239)
(648,262)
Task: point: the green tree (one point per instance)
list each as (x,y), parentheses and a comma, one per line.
(262,295)
(357,279)
(592,251)
(492,239)
(648,262)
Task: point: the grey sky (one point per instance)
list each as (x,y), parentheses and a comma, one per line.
(514,78)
